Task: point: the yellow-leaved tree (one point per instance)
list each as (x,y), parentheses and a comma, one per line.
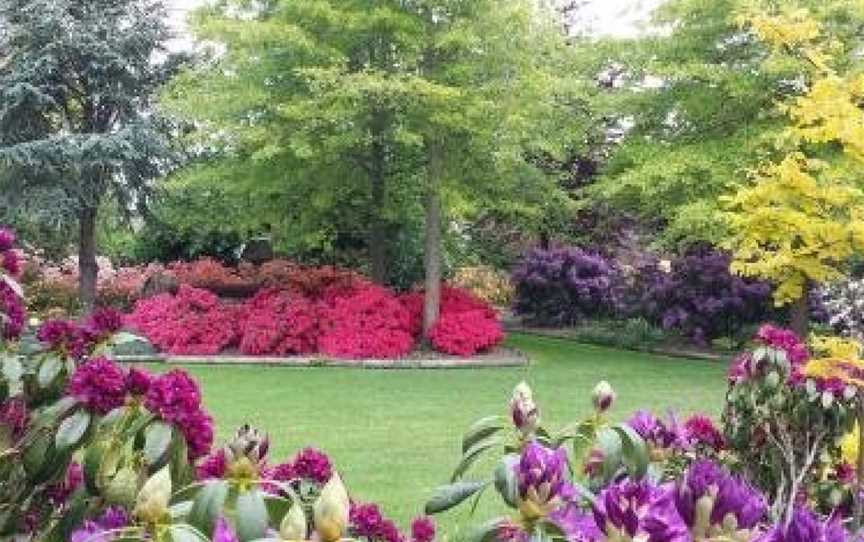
(802,215)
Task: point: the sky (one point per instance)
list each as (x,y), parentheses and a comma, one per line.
(615,18)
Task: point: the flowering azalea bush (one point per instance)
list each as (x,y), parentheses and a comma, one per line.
(563,286)
(843,303)
(194,321)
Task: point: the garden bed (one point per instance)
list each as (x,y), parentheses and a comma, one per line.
(498,358)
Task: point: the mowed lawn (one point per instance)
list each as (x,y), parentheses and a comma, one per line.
(395,435)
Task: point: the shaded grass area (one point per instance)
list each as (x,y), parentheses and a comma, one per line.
(395,435)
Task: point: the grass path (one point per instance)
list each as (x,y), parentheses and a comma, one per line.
(395,434)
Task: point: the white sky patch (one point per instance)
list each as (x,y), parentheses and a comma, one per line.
(611,18)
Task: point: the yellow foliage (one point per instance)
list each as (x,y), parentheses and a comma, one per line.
(799,219)
(487,283)
(849,446)
(835,347)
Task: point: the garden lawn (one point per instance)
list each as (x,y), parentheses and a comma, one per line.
(395,435)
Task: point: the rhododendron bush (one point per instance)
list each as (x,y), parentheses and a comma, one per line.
(771,473)
(350,319)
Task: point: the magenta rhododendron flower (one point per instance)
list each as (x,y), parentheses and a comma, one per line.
(58,493)
(13,307)
(213,466)
(312,464)
(423,530)
(223,532)
(103,322)
(7,239)
(138,381)
(366,520)
(11,263)
(176,398)
(701,431)
(99,384)
(64,337)
(14,415)
(785,340)
(638,509)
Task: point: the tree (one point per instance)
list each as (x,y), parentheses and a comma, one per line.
(697,102)
(800,219)
(76,123)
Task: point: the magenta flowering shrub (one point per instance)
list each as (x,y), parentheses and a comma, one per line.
(192,322)
(279,322)
(465,333)
(12,311)
(370,322)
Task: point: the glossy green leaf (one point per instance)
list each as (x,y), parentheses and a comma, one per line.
(446,497)
(252,515)
(48,371)
(157,440)
(72,429)
(482,429)
(473,454)
(208,505)
(505,479)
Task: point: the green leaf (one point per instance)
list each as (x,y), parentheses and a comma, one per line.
(610,445)
(157,439)
(92,463)
(186,533)
(488,532)
(35,455)
(482,429)
(473,454)
(277,507)
(208,506)
(12,371)
(635,451)
(48,371)
(505,479)
(72,429)
(446,497)
(252,516)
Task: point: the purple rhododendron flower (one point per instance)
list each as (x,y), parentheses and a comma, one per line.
(312,464)
(138,381)
(223,532)
(657,433)
(99,384)
(806,527)
(629,508)
(730,496)
(542,474)
(423,530)
(576,525)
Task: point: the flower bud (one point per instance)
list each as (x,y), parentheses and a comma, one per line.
(603,396)
(293,527)
(123,488)
(331,510)
(525,414)
(249,443)
(151,505)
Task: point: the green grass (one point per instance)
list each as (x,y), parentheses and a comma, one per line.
(395,434)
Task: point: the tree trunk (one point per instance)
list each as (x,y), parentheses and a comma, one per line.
(799,315)
(432,255)
(88,269)
(378,228)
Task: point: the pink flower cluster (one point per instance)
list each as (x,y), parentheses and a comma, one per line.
(69,338)
(367,522)
(309,464)
(192,322)
(14,415)
(11,304)
(349,322)
(101,385)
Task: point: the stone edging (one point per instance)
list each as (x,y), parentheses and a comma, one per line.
(488,361)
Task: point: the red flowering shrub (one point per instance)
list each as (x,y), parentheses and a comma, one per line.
(192,322)
(465,333)
(370,322)
(205,273)
(279,323)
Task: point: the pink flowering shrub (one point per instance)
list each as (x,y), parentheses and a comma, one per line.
(192,322)
(370,322)
(277,322)
(465,333)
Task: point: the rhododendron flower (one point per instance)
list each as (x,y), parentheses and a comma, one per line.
(103,529)
(59,493)
(786,340)
(176,398)
(641,511)
(7,239)
(214,466)
(701,431)
(223,531)
(523,411)
(99,384)
(138,381)
(312,464)
(11,263)
(104,322)
(14,415)
(576,525)
(423,530)
(603,396)
(12,306)
(541,474)
(365,520)
(711,501)
(64,337)
(805,527)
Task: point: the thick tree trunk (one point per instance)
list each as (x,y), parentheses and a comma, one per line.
(88,269)
(378,232)
(432,256)
(799,315)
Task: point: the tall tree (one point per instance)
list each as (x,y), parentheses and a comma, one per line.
(76,82)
